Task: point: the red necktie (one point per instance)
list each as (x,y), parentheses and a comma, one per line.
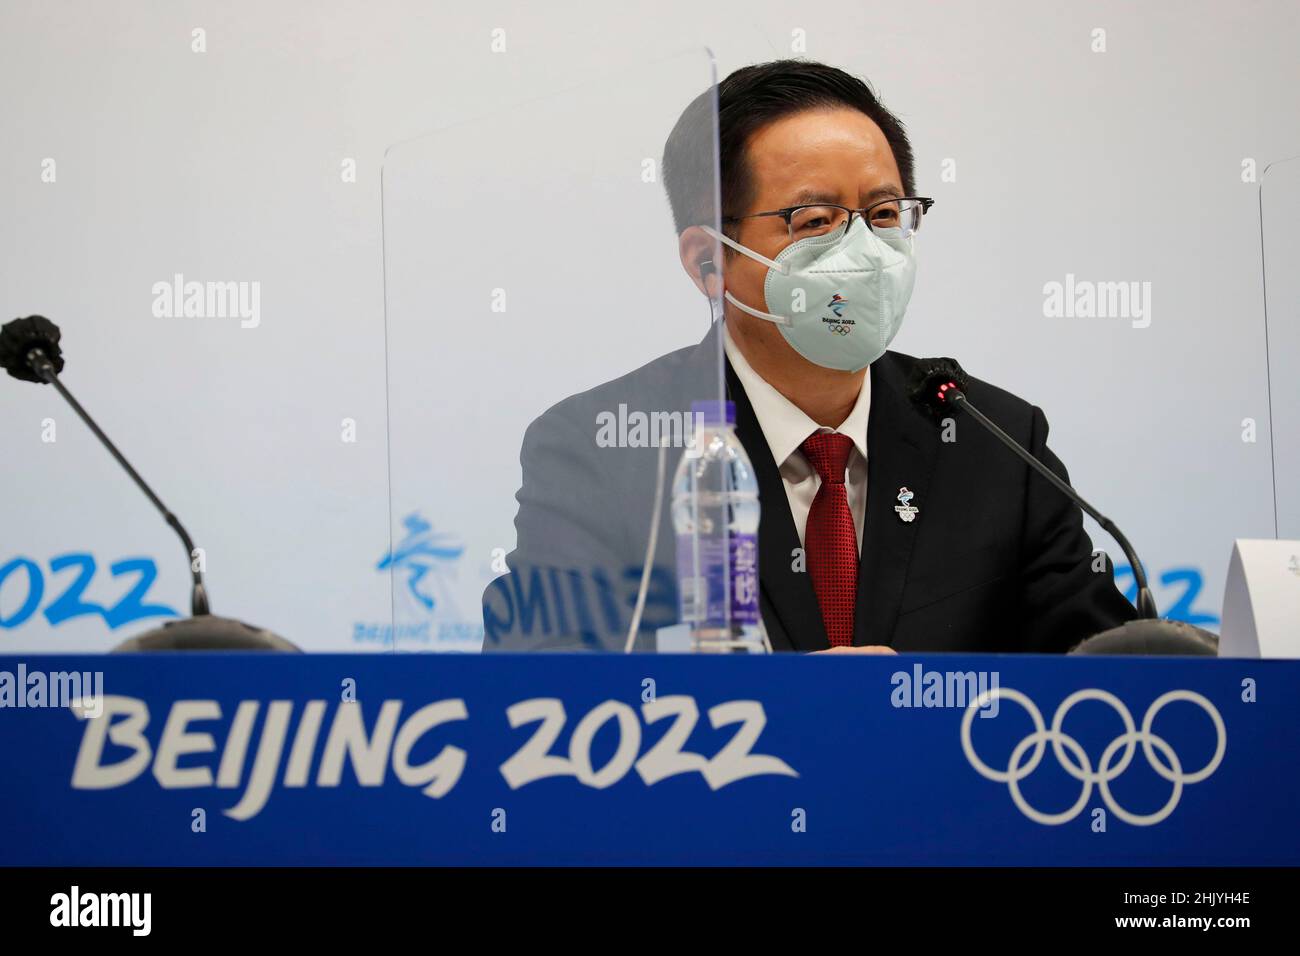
(831,540)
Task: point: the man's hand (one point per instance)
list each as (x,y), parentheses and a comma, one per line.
(867,649)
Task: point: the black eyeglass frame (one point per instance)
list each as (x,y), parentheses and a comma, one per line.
(788,212)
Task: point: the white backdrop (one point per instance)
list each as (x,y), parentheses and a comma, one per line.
(1053,150)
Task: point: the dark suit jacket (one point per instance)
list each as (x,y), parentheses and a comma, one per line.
(995,560)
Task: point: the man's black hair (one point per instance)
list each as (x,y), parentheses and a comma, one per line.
(749,99)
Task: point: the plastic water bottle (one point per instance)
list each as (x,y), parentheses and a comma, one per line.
(715,514)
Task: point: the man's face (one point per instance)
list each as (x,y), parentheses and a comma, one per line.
(834,155)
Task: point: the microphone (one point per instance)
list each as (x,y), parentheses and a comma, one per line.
(30,352)
(938,385)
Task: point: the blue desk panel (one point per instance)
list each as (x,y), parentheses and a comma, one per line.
(204,759)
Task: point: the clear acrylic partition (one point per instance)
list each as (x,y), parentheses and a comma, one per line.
(531,262)
(1280,242)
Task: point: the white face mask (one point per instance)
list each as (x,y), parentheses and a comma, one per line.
(840,297)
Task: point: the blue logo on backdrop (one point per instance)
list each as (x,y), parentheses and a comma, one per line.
(1186,585)
(423,553)
(23,577)
(425,565)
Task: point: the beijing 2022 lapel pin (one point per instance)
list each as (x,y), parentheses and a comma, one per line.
(905,509)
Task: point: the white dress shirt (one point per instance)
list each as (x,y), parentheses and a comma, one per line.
(785,426)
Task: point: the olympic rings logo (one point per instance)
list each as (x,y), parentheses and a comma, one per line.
(1072,757)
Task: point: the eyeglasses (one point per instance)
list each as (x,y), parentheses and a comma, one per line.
(820,219)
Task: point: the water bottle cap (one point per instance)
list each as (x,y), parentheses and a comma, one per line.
(713,411)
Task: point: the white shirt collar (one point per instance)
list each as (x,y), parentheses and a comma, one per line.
(783,423)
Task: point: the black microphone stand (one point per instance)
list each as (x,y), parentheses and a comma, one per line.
(1146,602)
(940,386)
(40,363)
(29,350)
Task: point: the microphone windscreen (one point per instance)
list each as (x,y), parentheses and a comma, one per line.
(927,379)
(19,337)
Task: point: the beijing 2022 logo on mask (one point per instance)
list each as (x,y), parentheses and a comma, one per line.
(1162,757)
(839,325)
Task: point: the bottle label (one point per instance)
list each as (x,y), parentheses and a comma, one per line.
(702,588)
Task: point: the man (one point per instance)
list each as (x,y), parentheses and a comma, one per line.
(876,534)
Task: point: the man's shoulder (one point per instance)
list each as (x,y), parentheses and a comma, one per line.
(673,381)
(665,384)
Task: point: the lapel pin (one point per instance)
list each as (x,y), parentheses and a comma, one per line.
(905,509)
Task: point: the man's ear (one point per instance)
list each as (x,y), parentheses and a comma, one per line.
(701,258)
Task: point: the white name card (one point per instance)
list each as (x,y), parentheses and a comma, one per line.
(1261,601)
